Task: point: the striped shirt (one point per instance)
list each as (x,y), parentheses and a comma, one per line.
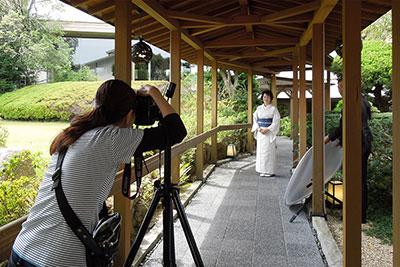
(88,172)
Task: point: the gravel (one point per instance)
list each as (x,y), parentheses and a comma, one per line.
(374,253)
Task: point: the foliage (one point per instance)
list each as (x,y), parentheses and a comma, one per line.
(286,125)
(381,160)
(376,71)
(54,101)
(283,110)
(82,74)
(381,220)
(159,67)
(17,194)
(3,135)
(30,41)
(380,29)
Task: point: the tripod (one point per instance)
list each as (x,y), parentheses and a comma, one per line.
(170,194)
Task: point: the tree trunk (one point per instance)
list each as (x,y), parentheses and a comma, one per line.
(228,85)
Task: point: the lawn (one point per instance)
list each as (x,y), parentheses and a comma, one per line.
(34,136)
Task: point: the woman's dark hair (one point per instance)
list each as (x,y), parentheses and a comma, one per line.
(114,99)
(268,92)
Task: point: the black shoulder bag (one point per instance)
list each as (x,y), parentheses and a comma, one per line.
(102,245)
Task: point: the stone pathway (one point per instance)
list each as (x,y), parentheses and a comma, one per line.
(239,219)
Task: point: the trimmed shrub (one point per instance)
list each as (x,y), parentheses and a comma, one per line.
(53,101)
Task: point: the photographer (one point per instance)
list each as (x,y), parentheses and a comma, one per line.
(97,142)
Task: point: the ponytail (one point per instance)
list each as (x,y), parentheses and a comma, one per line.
(114,99)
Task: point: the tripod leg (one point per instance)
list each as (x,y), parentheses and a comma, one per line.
(186,228)
(168,225)
(300,210)
(143,228)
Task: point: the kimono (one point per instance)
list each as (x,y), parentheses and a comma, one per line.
(266,117)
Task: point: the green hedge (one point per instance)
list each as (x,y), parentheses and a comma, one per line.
(52,101)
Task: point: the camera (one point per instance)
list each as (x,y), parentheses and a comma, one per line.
(147,111)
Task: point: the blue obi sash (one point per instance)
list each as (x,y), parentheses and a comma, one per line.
(264,122)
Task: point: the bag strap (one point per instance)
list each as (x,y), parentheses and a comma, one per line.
(69,215)
(126,177)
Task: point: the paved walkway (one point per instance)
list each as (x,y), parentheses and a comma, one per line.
(239,219)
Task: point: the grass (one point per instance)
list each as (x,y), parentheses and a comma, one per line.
(34,136)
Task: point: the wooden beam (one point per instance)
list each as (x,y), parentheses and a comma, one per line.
(318,121)
(273,90)
(295,108)
(200,113)
(214,110)
(250,135)
(351,132)
(319,17)
(123,72)
(204,30)
(175,76)
(100,8)
(195,17)
(277,52)
(273,63)
(77,3)
(159,13)
(245,11)
(302,103)
(250,42)
(396,129)
(290,12)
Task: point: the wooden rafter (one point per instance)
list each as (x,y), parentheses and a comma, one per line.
(250,42)
(101,7)
(277,52)
(319,17)
(272,63)
(245,10)
(292,11)
(195,17)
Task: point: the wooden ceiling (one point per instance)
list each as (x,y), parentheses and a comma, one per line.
(239,34)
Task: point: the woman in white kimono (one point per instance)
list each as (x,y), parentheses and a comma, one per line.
(266,123)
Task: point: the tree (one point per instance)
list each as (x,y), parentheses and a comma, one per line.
(376,61)
(381,29)
(31,42)
(159,67)
(376,71)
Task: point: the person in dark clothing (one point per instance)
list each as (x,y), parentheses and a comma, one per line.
(366,145)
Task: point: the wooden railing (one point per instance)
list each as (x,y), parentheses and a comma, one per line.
(9,232)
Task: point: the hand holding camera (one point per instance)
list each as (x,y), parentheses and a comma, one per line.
(151,106)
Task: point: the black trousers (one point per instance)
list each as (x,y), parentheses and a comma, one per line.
(365,155)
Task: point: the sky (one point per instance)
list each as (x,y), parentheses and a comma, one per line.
(91,49)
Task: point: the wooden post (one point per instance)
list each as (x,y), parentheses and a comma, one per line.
(175,76)
(318,120)
(328,106)
(303,103)
(250,110)
(295,108)
(214,105)
(351,132)
(200,112)
(123,35)
(396,129)
(273,90)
